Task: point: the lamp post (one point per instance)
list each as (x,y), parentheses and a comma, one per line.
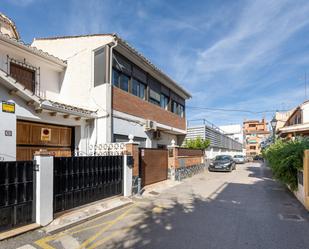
(273,124)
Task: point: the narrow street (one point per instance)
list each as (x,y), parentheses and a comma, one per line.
(243,209)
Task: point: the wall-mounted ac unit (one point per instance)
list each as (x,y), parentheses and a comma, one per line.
(150,125)
(157,135)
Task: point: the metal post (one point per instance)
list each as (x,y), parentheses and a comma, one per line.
(139,186)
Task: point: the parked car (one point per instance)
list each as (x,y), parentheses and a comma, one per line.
(222,163)
(258,158)
(239,159)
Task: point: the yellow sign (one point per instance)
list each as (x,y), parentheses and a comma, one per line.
(45,134)
(8,107)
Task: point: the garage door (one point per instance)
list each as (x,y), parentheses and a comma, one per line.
(153,165)
(31,137)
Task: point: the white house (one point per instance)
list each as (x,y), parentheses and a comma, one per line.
(81,92)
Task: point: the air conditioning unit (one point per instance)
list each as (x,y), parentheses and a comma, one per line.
(150,125)
(156,135)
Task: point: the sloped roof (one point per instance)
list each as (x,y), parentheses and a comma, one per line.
(31,49)
(11,84)
(132,49)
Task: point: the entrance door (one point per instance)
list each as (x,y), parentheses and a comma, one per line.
(153,165)
(31,137)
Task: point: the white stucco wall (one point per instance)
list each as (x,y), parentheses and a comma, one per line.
(24,112)
(50,74)
(305,113)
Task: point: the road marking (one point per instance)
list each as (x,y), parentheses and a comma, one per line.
(26,247)
(121,230)
(43,242)
(101,231)
(68,242)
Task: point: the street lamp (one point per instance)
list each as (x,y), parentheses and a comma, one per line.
(273,124)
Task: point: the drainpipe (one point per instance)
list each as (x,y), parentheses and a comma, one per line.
(110,93)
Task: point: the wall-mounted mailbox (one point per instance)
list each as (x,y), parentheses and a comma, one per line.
(130,161)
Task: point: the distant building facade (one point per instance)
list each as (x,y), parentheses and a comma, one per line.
(234,131)
(297,122)
(220,143)
(255,132)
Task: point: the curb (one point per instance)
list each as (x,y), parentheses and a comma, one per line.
(63,227)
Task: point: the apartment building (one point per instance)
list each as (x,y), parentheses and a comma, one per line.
(296,122)
(71,93)
(255,132)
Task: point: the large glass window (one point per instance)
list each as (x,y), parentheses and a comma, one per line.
(154,97)
(124,82)
(138,89)
(99,67)
(116,77)
(120,80)
(164,101)
(178,109)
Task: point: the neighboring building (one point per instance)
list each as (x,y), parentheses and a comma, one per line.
(281,118)
(255,133)
(220,143)
(234,131)
(81,92)
(297,122)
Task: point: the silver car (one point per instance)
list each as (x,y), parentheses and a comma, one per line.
(239,159)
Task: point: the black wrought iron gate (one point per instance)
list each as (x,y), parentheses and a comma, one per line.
(80,180)
(16,194)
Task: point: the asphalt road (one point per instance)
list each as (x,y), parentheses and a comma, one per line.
(240,210)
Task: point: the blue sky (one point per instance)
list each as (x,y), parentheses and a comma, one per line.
(249,55)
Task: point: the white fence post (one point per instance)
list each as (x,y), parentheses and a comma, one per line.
(44,187)
(127,176)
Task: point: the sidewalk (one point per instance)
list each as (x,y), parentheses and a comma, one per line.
(91,211)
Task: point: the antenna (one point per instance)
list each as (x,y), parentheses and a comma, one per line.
(305,81)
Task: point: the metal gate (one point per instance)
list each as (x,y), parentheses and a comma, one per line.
(81,180)
(153,165)
(16,194)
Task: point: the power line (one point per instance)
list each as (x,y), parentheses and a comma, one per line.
(233,110)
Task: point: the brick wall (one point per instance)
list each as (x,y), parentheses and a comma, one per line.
(130,104)
(189,158)
(132,149)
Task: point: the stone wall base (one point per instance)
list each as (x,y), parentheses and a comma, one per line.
(185,172)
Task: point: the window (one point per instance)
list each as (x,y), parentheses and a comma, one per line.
(99,67)
(154,97)
(120,80)
(252,147)
(23,75)
(124,82)
(116,77)
(178,109)
(138,89)
(252,125)
(164,101)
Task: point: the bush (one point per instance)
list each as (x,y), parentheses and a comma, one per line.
(197,143)
(285,158)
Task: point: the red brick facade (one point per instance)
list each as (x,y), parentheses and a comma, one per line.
(130,104)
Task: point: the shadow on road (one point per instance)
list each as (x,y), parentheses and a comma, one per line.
(236,216)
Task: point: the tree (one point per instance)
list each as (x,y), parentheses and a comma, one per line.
(197,143)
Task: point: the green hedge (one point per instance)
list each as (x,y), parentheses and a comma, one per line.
(197,143)
(285,158)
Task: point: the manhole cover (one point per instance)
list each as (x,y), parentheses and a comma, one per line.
(153,193)
(291,217)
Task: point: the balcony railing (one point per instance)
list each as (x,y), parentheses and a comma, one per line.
(24,73)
